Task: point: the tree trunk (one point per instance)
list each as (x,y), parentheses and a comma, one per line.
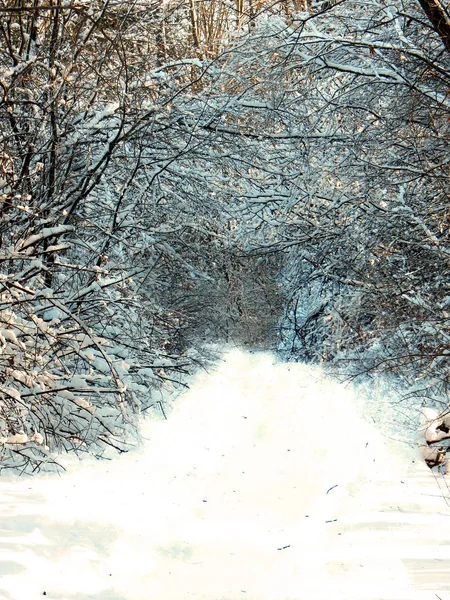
(438,18)
(239,13)
(194,25)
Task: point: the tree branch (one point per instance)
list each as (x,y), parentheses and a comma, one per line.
(438,18)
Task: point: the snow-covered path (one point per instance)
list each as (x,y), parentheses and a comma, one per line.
(264,484)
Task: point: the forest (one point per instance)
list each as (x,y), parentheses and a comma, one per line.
(270,174)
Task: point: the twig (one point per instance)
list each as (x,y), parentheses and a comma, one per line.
(162,408)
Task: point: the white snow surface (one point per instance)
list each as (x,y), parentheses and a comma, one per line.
(265,483)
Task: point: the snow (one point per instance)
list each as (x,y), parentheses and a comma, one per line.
(44,234)
(8,334)
(265,483)
(12,392)
(18,438)
(37,437)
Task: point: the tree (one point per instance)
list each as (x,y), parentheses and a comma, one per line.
(88,137)
(357,194)
(171,172)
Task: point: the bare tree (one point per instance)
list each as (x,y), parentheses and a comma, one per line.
(91,233)
(359,121)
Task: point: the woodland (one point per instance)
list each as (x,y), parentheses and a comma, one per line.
(180,173)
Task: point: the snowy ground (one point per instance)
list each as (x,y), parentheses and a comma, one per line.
(264,484)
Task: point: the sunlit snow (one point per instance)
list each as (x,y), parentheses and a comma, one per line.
(264,484)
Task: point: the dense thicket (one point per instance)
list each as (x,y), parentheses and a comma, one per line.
(183,171)
(356,188)
(114,248)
